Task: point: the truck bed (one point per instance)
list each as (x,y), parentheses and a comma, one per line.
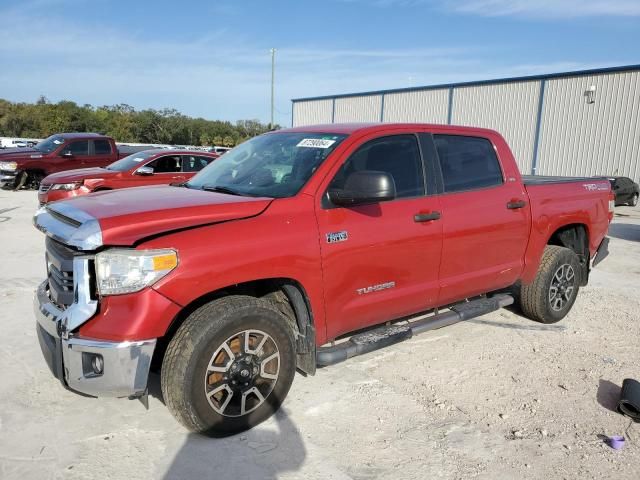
(547,179)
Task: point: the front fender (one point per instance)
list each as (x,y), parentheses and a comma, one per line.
(281,243)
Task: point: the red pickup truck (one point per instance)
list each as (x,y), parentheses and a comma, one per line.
(295,239)
(64,151)
(148,167)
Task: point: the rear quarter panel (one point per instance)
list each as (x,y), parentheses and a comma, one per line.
(557,205)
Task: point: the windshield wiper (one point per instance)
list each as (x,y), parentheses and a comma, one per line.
(219,189)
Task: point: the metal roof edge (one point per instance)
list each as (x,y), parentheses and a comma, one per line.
(548,76)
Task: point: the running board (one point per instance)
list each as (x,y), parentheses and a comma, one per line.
(388,335)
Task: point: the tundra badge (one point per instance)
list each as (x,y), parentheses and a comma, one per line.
(376,288)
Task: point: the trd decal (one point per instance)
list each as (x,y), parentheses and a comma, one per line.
(595,186)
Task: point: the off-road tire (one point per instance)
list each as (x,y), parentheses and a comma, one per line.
(189,355)
(534,297)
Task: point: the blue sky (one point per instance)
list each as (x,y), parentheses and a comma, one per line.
(211,58)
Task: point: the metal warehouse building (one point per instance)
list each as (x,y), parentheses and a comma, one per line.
(574,123)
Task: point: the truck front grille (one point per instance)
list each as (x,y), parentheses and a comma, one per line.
(60,272)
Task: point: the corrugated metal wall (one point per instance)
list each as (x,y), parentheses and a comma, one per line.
(573,137)
(509,108)
(602,138)
(427,106)
(358,109)
(312,112)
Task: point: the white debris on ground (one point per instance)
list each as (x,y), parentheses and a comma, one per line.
(495,397)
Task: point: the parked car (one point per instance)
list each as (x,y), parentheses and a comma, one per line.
(625,190)
(149,167)
(234,280)
(16,143)
(65,151)
(219,150)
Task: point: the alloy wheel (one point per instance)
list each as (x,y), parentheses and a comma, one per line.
(562,286)
(242,372)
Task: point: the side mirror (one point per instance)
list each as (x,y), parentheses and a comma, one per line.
(363,188)
(66,153)
(144,171)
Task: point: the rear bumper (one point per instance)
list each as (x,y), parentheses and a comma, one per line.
(123,366)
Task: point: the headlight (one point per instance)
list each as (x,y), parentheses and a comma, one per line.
(126,271)
(66,186)
(8,166)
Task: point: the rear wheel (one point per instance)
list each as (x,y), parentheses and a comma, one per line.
(229,366)
(553,292)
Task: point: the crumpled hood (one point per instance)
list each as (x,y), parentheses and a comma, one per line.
(123,217)
(69,176)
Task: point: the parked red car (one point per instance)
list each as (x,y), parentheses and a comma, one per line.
(235,280)
(149,167)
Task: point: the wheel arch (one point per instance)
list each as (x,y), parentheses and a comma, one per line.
(574,236)
(33,174)
(287,294)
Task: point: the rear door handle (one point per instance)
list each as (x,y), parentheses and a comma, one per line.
(426,217)
(514,204)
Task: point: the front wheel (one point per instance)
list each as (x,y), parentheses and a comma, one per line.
(229,366)
(552,293)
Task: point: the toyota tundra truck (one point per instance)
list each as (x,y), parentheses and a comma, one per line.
(302,248)
(64,151)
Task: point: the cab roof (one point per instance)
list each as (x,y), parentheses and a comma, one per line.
(80,135)
(350,128)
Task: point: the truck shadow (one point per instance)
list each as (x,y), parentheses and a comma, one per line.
(608,395)
(514,326)
(261,453)
(625,231)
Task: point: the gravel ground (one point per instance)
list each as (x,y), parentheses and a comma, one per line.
(496,397)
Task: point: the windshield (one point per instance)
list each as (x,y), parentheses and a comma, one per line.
(134,160)
(273,165)
(48,145)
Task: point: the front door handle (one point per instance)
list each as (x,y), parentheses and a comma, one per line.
(514,204)
(426,217)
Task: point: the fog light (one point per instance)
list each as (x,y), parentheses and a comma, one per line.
(97,364)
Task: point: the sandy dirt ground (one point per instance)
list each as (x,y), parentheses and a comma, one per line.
(492,398)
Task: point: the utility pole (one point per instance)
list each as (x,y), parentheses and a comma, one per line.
(273,72)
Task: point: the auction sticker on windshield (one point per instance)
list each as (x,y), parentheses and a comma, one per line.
(315,143)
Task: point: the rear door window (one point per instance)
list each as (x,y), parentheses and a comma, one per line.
(194,163)
(467,163)
(102,147)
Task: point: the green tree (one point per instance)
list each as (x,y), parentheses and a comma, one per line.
(122,122)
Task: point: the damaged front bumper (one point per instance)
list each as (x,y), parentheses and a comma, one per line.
(8,178)
(91,367)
